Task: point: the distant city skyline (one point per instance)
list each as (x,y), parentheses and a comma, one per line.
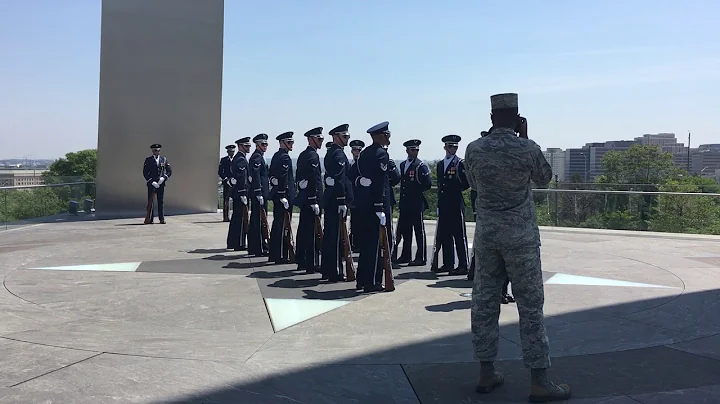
(633,68)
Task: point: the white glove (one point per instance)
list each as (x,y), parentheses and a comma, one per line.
(244,200)
(260,199)
(233,181)
(366,182)
(303,184)
(249,179)
(316,209)
(274,181)
(330,181)
(285,203)
(342,209)
(155,184)
(162,179)
(381,216)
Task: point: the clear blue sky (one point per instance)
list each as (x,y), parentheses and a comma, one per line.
(585,71)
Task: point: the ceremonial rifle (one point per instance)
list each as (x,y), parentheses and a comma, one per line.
(387,267)
(264,224)
(149,207)
(434,262)
(318,230)
(349,264)
(288,238)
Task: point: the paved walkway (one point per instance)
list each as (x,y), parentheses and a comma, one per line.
(115,312)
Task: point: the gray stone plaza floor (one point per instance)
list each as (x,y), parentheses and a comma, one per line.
(116,312)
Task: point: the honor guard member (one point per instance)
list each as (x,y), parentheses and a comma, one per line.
(414,182)
(258,184)
(371,205)
(224,174)
(500,167)
(338,195)
(451,232)
(282,191)
(156,170)
(309,196)
(239,180)
(356,147)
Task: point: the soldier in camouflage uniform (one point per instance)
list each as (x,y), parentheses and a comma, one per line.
(500,167)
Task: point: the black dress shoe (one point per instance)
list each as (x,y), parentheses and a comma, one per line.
(459,271)
(373,288)
(403,260)
(416,263)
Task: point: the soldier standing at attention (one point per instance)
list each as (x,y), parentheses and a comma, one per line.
(310,187)
(371,203)
(338,194)
(224,174)
(239,175)
(259,186)
(500,167)
(451,231)
(415,181)
(356,147)
(282,190)
(156,170)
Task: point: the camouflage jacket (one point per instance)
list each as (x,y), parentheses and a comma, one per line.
(500,168)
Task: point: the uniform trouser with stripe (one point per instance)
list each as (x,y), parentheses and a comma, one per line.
(452,236)
(308,250)
(236,229)
(370,268)
(333,248)
(277,248)
(226,200)
(409,221)
(256,243)
(353,227)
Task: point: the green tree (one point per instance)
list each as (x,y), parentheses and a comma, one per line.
(76,165)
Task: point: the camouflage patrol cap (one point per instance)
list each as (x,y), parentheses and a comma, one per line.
(504,101)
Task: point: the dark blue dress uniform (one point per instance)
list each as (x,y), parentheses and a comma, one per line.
(451,232)
(371,199)
(282,187)
(338,194)
(415,180)
(353,174)
(156,170)
(309,198)
(237,233)
(258,183)
(224,174)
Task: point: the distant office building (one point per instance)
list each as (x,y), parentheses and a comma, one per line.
(556,158)
(586,162)
(20,177)
(668,144)
(705,160)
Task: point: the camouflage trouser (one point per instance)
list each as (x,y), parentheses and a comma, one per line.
(523,268)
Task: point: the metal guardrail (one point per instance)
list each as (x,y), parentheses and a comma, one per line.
(668,211)
(23,205)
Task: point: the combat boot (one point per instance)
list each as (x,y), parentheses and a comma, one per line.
(549,392)
(488,383)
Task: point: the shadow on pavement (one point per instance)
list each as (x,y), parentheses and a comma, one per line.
(608,361)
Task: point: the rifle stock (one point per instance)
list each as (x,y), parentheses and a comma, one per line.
(287,235)
(318,230)
(434,262)
(264,224)
(349,264)
(149,207)
(389,281)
